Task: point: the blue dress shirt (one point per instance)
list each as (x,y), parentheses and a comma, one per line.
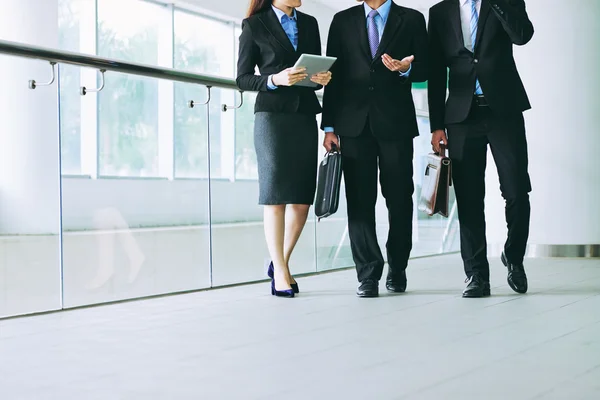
(380,20)
(290,26)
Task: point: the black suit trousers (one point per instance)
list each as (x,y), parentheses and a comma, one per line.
(363,156)
(467,144)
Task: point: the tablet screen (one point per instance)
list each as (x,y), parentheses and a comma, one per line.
(313,64)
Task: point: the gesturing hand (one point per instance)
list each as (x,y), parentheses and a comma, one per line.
(397,65)
(322,78)
(289,77)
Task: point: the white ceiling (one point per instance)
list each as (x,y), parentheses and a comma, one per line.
(236,9)
(323,10)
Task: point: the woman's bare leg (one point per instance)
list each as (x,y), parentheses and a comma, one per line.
(274,223)
(295,219)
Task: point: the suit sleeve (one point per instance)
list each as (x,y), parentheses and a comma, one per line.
(436,88)
(513,16)
(419,68)
(247,60)
(318,50)
(332,90)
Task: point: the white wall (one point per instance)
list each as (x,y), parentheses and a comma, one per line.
(29,167)
(559,68)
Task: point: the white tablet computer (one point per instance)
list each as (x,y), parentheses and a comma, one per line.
(313,64)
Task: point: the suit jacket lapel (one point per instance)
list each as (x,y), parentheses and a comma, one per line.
(392,26)
(303,33)
(269,20)
(360,25)
(454,15)
(483,15)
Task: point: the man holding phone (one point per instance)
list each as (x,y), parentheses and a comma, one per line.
(380,49)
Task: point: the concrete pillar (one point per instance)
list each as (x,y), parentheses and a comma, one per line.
(29,144)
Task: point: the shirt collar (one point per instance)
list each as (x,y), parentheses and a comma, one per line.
(383,10)
(280,14)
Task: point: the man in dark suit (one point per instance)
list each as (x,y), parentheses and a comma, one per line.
(474,39)
(380,48)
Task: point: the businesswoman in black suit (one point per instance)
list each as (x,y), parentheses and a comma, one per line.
(273,37)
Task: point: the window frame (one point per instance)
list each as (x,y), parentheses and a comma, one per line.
(89,142)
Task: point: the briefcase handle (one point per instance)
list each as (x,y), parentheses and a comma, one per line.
(334,150)
(442,152)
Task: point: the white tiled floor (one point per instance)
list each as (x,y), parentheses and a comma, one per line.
(241,343)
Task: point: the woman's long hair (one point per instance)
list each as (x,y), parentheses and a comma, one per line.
(257,6)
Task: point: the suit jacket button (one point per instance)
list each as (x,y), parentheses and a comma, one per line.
(371,88)
(372,70)
(475,61)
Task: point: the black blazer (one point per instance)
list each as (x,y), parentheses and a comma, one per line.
(264,43)
(502,23)
(362,87)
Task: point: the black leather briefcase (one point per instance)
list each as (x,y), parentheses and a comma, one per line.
(435,191)
(328,184)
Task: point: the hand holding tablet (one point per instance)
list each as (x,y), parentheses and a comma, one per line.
(315,69)
(289,77)
(322,78)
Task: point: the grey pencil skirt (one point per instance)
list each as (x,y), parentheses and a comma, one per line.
(286,150)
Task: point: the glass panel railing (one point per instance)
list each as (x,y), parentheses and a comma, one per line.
(157,197)
(246,166)
(135,231)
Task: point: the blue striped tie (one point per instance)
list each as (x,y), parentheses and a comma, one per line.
(373,33)
(474,23)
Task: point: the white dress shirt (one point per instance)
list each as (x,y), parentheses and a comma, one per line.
(465,20)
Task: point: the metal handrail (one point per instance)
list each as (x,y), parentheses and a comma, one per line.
(55,56)
(100,63)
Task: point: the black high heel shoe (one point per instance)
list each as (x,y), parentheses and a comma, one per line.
(295,287)
(271,274)
(289,293)
(271,271)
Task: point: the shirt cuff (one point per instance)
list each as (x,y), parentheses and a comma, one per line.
(407,73)
(271,85)
(328,129)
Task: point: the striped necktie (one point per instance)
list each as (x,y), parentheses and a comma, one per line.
(474,24)
(373,33)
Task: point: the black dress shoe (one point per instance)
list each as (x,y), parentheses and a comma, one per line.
(477,287)
(396,283)
(368,288)
(517,279)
